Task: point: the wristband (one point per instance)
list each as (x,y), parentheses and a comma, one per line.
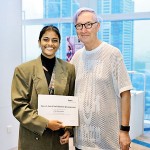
(125,128)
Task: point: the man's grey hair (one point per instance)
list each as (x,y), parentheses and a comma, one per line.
(83,9)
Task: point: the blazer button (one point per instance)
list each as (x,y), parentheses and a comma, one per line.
(37,138)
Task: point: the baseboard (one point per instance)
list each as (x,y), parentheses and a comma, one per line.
(141,143)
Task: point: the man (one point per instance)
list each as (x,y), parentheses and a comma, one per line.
(103,87)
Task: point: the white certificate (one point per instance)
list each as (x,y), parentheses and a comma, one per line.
(58,107)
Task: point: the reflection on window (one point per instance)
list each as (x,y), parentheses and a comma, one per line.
(51,9)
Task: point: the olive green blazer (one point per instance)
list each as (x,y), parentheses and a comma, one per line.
(28,81)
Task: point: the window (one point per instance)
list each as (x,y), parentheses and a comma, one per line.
(124,24)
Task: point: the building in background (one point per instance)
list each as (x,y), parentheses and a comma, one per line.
(118,33)
(61,9)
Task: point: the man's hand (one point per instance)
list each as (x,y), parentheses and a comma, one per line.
(124,140)
(65,138)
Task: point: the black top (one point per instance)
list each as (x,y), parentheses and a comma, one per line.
(49,65)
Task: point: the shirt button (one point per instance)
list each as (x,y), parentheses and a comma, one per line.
(37,138)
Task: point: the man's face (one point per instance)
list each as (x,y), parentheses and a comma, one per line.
(87,35)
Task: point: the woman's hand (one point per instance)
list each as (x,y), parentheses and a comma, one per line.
(55,125)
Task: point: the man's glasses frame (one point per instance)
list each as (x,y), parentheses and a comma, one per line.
(87,25)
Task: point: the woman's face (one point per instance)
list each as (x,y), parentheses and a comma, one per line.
(49,44)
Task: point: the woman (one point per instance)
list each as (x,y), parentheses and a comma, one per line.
(44,75)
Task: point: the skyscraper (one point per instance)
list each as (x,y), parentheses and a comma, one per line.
(61,9)
(118,33)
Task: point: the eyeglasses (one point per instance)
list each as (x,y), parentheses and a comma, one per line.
(87,25)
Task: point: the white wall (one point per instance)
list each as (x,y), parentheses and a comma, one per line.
(10,56)
(137,114)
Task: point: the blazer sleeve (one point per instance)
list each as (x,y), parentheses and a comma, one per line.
(20,95)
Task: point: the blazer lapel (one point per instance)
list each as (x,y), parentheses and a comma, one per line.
(60,78)
(40,81)
(39,78)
